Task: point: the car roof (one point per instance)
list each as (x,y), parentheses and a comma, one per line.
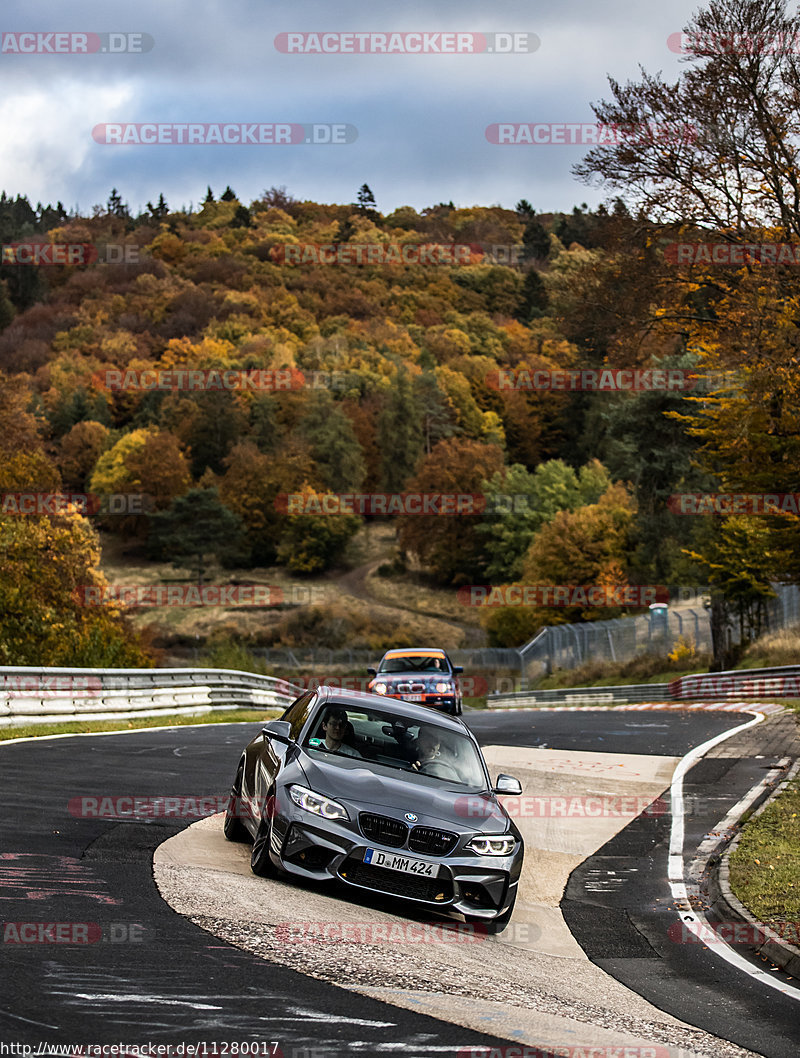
(362,699)
(413,652)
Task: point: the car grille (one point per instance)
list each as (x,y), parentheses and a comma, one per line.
(410,687)
(434,842)
(397,883)
(383,829)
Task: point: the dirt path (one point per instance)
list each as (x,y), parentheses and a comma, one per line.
(355,583)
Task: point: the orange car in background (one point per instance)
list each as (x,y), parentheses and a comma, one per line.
(419,674)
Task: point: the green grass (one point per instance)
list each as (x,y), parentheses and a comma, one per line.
(765,867)
(79,727)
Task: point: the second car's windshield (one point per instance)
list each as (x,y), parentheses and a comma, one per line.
(396,741)
(414,664)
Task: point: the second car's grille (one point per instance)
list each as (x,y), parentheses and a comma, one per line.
(383,829)
(434,842)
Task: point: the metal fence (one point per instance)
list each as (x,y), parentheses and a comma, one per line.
(319,658)
(657,632)
(736,684)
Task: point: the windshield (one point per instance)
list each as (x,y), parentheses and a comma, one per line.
(396,741)
(417,663)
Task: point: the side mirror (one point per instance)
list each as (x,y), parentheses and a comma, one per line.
(372,672)
(280,730)
(457,669)
(507,784)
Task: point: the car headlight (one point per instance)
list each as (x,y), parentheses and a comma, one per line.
(316,803)
(492,846)
(442,688)
(380,688)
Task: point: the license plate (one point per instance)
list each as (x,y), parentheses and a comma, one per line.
(395,862)
(413,697)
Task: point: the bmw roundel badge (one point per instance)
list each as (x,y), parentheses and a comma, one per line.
(411,817)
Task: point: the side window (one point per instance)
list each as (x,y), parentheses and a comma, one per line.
(297,713)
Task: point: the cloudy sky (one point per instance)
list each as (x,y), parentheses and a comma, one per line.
(418,122)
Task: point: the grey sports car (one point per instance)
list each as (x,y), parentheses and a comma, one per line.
(380,795)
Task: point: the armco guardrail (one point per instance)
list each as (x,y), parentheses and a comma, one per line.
(633,692)
(736,684)
(43,695)
(740,683)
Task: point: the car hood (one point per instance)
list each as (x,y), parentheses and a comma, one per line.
(433,801)
(413,677)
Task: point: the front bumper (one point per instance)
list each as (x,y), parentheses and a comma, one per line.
(479,886)
(446,703)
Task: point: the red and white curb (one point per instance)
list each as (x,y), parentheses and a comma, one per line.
(767,708)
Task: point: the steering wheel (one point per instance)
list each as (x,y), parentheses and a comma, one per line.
(439,770)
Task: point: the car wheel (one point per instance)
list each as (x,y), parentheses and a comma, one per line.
(260,863)
(233,828)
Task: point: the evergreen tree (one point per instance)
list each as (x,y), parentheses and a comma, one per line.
(160,210)
(535,242)
(7,312)
(336,452)
(194,527)
(115,207)
(533,300)
(209,195)
(228,195)
(400,437)
(366,199)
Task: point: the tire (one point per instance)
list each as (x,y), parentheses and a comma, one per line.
(260,863)
(233,828)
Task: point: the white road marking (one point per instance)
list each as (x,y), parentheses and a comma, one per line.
(694,920)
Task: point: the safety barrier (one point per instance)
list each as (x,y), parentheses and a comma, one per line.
(30,695)
(783,682)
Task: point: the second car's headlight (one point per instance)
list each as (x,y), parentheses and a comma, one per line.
(380,688)
(316,803)
(492,846)
(442,688)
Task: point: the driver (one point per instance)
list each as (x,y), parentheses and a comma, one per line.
(429,746)
(335,727)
